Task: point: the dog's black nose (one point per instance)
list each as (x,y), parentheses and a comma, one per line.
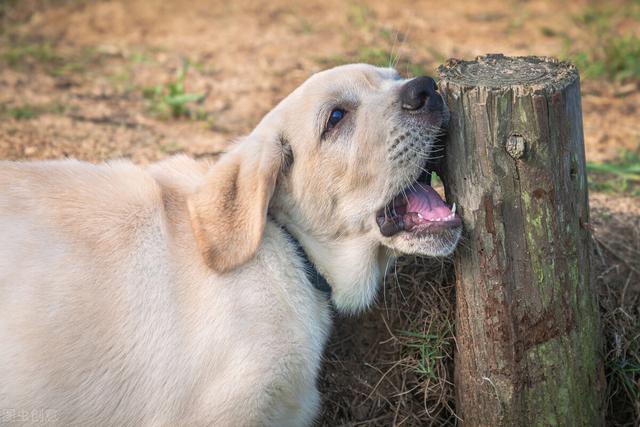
(420,91)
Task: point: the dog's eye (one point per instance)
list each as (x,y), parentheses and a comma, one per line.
(336,115)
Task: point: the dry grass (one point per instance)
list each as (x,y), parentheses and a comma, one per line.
(394,365)
(617,262)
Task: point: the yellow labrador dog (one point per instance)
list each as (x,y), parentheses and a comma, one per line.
(193,294)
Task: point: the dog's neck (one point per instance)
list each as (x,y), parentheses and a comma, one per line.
(352,268)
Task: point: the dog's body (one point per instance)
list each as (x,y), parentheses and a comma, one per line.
(108,316)
(168,296)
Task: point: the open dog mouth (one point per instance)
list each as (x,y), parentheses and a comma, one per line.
(419,208)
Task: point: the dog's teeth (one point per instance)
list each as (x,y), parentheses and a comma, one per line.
(420,216)
(453,208)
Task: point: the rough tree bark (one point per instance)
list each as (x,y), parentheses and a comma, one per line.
(527,328)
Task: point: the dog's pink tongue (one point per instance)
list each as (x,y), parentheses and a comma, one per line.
(427,202)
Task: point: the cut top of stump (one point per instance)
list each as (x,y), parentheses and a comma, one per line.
(495,71)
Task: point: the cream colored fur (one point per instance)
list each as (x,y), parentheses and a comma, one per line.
(166,295)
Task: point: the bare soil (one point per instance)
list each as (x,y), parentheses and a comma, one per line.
(82,69)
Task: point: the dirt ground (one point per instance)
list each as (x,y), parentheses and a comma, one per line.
(87,80)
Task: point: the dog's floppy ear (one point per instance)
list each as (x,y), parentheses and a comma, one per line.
(229,210)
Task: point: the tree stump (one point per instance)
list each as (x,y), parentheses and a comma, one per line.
(527,325)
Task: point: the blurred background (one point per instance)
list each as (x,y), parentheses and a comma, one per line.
(146,79)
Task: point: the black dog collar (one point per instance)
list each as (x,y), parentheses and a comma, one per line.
(317,280)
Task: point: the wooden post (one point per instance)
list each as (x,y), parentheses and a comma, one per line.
(528,337)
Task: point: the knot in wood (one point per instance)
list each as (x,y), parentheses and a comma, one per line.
(516,146)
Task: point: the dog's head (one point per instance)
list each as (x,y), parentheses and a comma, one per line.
(344,163)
